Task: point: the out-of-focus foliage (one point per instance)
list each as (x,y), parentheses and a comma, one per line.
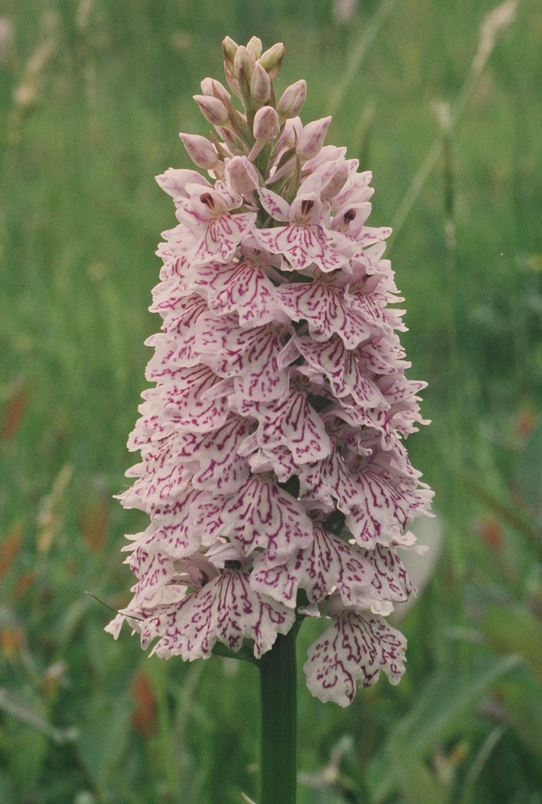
(92,93)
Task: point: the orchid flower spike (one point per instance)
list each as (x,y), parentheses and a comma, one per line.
(273,463)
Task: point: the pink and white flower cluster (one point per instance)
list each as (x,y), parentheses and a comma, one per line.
(273,467)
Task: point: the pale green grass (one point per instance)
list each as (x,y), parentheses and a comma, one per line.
(80,217)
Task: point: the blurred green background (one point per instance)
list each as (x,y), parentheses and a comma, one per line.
(442,102)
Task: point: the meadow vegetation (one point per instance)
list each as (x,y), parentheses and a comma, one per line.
(92,95)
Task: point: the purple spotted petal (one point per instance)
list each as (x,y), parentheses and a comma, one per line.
(225,610)
(196,401)
(154,572)
(386,508)
(329,481)
(274,204)
(291,423)
(158,482)
(304,245)
(343,368)
(326,310)
(170,355)
(175,347)
(249,355)
(363,579)
(221,468)
(240,287)
(221,236)
(354,648)
(168,294)
(277,459)
(171,530)
(261,515)
(370,235)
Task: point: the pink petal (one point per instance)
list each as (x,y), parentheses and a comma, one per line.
(225,610)
(342,368)
(274,204)
(305,244)
(171,531)
(326,311)
(221,469)
(353,648)
(154,572)
(222,236)
(186,404)
(386,508)
(312,137)
(251,355)
(174,181)
(263,515)
(241,287)
(329,481)
(363,579)
(290,423)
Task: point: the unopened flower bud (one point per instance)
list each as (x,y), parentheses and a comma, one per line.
(200,150)
(212,109)
(292,99)
(229,48)
(234,143)
(335,182)
(174,181)
(241,175)
(243,63)
(271,60)
(254,47)
(243,67)
(312,138)
(213,88)
(291,132)
(260,85)
(266,124)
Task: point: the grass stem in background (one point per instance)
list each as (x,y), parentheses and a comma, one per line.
(451,288)
(494,23)
(359,55)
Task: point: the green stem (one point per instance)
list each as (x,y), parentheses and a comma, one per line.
(279,722)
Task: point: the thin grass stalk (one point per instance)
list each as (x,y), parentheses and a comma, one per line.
(456,456)
(493,23)
(359,55)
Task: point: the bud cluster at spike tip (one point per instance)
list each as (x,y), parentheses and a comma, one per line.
(273,467)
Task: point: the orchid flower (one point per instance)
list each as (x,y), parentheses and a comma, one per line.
(273,463)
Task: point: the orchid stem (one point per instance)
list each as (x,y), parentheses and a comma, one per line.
(279,722)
